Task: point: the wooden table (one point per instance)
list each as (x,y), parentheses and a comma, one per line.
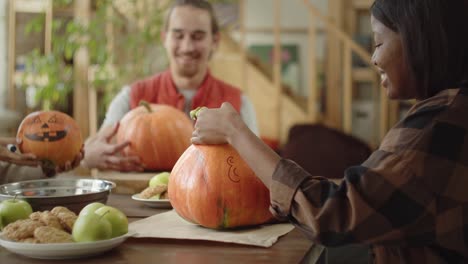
(291,248)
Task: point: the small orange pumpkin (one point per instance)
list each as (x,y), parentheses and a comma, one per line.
(158,134)
(212,186)
(50,135)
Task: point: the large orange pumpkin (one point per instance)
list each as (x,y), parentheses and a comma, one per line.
(213,187)
(159,134)
(50,135)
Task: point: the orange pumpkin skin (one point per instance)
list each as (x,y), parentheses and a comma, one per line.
(50,135)
(158,138)
(213,187)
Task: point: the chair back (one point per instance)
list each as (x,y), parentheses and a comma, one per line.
(324,151)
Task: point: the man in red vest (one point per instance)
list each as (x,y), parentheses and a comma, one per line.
(190,37)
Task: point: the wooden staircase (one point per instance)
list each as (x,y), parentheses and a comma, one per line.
(277,110)
(229,65)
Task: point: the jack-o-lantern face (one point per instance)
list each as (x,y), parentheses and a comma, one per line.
(47,132)
(50,135)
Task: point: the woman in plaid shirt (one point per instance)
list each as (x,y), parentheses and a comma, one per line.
(408,201)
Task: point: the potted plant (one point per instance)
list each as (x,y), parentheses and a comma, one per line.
(48,79)
(136,50)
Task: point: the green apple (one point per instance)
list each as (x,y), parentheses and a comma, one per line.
(14,209)
(91,208)
(91,227)
(116,218)
(160,178)
(1,223)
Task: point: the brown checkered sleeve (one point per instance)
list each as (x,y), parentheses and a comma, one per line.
(366,207)
(409,197)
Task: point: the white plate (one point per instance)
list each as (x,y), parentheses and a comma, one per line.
(62,250)
(155,203)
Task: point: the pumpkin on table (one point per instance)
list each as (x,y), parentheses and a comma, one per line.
(212,186)
(50,135)
(158,135)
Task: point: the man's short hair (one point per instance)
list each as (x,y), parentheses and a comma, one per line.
(200,4)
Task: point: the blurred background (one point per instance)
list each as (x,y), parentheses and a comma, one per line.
(300,61)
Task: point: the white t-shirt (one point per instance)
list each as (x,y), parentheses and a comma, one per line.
(120,105)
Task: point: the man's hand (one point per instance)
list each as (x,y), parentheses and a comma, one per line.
(102,154)
(14,157)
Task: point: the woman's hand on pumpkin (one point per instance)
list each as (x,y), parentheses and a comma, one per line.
(14,157)
(101,153)
(216,126)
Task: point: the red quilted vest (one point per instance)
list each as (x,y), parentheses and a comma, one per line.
(160,89)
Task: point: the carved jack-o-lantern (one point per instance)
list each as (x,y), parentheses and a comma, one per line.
(50,135)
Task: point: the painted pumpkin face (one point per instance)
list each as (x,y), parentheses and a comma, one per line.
(50,135)
(46,133)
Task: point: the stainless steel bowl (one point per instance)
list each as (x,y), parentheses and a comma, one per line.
(46,194)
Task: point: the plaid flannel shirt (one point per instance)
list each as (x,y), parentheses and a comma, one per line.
(408,201)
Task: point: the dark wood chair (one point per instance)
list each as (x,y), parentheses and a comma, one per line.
(327,152)
(324,151)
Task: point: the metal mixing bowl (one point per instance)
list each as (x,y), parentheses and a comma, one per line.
(48,193)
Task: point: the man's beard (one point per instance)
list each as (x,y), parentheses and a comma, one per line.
(188,72)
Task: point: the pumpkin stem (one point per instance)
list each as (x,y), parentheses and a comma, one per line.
(194,113)
(48,167)
(46,105)
(146,105)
